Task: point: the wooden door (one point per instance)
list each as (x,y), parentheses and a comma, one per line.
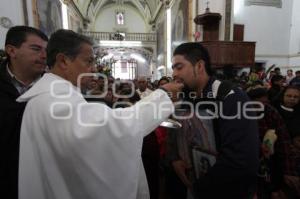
(238,32)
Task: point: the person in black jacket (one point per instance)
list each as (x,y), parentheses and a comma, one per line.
(289,109)
(25,48)
(233,172)
(274,92)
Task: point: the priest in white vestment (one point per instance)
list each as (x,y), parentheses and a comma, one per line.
(70,149)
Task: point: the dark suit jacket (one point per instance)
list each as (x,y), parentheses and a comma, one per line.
(10,122)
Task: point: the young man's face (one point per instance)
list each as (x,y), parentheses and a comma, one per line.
(163,82)
(83,63)
(92,84)
(31,55)
(142,84)
(185,72)
(279,83)
(290,73)
(291,98)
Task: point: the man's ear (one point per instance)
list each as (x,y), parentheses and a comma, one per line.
(62,61)
(200,66)
(11,50)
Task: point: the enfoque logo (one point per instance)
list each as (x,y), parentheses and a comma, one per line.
(87,115)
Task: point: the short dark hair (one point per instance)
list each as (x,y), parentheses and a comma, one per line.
(295,82)
(194,52)
(276,78)
(164,78)
(67,42)
(295,87)
(135,97)
(257,93)
(17,35)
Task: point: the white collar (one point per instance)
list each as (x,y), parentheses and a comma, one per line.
(287,109)
(52,83)
(13,76)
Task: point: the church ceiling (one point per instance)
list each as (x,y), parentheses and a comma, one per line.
(147,8)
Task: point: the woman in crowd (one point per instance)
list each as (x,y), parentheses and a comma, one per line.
(274,148)
(289,109)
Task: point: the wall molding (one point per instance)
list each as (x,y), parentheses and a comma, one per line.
(272,3)
(278,56)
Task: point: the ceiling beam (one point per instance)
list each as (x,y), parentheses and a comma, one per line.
(77,10)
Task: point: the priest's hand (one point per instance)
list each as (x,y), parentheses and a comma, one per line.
(173,89)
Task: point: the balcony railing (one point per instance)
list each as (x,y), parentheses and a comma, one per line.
(144,37)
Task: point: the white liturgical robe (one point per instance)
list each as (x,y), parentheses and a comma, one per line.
(71,149)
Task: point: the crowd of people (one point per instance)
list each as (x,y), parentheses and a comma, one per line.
(64,135)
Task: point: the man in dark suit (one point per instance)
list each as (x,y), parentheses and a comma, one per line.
(25,48)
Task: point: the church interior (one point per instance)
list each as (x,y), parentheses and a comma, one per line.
(140,35)
(253,45)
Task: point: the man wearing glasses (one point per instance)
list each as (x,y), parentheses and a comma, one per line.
(25,48)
